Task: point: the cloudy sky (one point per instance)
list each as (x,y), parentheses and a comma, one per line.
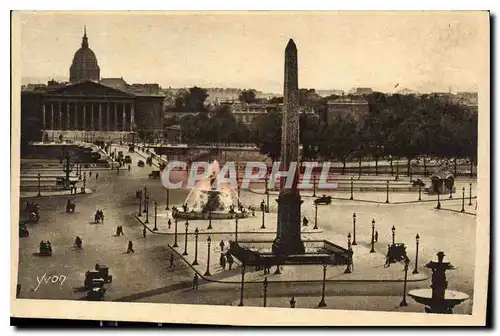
(425,51)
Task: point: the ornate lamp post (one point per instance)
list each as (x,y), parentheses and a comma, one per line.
(175,234)
(393,229)
(168,200)
(156,215)
(267,192)
(186,239)
(263,226)
(242,284)
(145,196)
(387,193)
(196,232)
(463,200)
(315,216)
(147,209)
(207,272)
(470,193)
(84,184)
(352,186)
(39,176)
(354,229)
(438,206)
(322,303)
(236,228)
(265,291)
(314,185)
(209,219)
(417,241)
(349,248)
(419,192)
(403,302)
(373,237)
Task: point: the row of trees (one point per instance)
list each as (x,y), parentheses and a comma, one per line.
(396,126)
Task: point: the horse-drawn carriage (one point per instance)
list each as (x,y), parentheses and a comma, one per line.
(140,163)
(32,210)
(127,159)
(97,277)
(45,249)
(323,200)
(155,174)
(96,294)
(70,207)
(396,252)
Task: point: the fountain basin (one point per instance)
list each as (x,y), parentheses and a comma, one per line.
(196,215)
(451,298)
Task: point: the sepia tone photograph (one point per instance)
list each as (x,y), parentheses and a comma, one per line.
(304,164)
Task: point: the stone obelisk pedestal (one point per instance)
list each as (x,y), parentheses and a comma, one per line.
(288,236)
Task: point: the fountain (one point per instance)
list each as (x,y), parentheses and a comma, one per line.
(438,300)
(211,199)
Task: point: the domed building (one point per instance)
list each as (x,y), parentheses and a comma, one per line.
(84,65)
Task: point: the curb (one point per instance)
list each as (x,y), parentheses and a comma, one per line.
(88,191)
(291,281)
(208,233)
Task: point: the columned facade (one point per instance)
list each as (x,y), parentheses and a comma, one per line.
(63,114)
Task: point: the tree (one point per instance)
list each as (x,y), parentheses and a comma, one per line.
(247,96)
(31,131)
(267,134)
(310,135)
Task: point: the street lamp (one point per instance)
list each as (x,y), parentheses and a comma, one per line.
(140,205)
(185,253)
(314,185)
(322,303)
(39,176)
(175,234)
(354,229)
(147,209)
(393,229)
(207,272)
(419,192)
(387,193)
(196,232)
(156,215)
(168,200)
(84,184)
(438,206)
(349,249)
(403,302)
(463,200)
(417,239)
(315,216)
(265,291)
(145,196)
(236,228)
(470,193)
(263,226)
(352,186)
(373,236)
(242,284)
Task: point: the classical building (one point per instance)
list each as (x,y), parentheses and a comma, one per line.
(85,108)
(344,105)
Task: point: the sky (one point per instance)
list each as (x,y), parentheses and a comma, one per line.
(423,51)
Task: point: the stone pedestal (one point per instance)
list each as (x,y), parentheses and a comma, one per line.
(288,235)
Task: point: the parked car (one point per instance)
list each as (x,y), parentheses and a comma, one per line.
(323,200)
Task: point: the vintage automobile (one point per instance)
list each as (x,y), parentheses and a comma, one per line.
(96,294)
(323,200)
(155,174)
(23,231)
(396,252)
(120,154)
(70,207)
(127,159)
(104,272)
(92,279)
(45,249)
(140,163)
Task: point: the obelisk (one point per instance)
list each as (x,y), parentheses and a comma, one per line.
(288,240)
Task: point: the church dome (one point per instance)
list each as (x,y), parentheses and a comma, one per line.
(84,65)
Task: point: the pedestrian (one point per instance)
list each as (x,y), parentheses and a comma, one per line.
(171,261)
(96,176)
(222,261)
(388,257)
(195,281)
(169,223)
(305,221)
(130,247)
(221,244)
(49,245)
(230,260)
(376,236)
(128,167)
(144,232)
(90,173)
(262,206)
(118,230)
